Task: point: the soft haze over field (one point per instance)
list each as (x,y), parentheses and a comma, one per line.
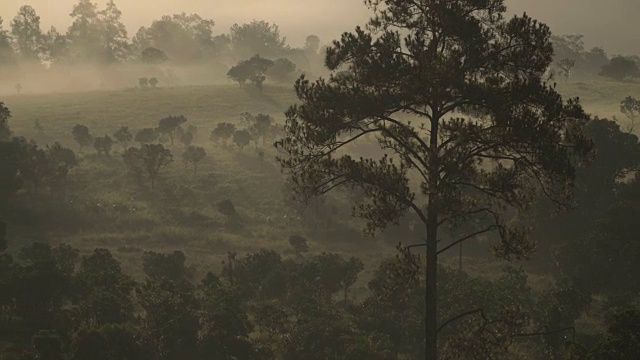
(609,23)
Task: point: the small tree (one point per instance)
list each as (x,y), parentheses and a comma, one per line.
(38,126)
(226,208)
(146,136)
(34,166)
(143,82)
(620,68)
(222,133)
(565,65)
(186,138)
(282,70)
(153,82)
(168,126)
(242,138)
(103,145)
(152,55)
(123,137)
(299,244)
(148,160)
(61,161)
(18,88)
(193,155)
(630,107)
(252,70)
(82,136)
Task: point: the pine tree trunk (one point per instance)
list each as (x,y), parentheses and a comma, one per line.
(431,295)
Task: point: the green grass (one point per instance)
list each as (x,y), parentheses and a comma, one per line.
(161,220)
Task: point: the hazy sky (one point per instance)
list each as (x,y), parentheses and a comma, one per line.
(607,23)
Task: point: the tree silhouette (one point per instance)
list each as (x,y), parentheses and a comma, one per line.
(193,155)
(168,126)
(82,136)
(486,131)
(123,137)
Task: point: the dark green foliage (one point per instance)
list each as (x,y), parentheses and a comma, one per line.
(61,161)
(257,37)
(620,68)
(183,38)
(143,82)
(103,145)
(222,133)
(193,155)
(123,137)
(242,138)
(5,115)
(82,136)
(25,29)
(478,141)
(252,70)
(622,341)
(109,342)
(3,235)
(299,244)
(146,136)
(282,70)
(565,66)
(10,160)
(169,125)
(34,166)
(147,161)
(225,207)
(259,126)
(630,107)
(152,55)
(104,291)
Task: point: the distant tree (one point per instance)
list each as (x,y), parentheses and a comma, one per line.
(10,180)
(193,155)
(7,55)
(259,125)
(86,34)
(146,136)
(222,133)
(242,138)
(3,235)
(620,68)
(282,69)
(312,44)
(168,126)
(299,244)
(5,115)
(152,55)
(62,161)
(56,46)
(115,37)
(225,207)
(18,88)
(183,37)
(143,82)
(252,70)
(565,65)
(147,161)
(103,145)
(27,35)
(153,82)
(82,136)
(186,137)
(154,158)
(257,37)
(34,166)
(630,107)
(123,137)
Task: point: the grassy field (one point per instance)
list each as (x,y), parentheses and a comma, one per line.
(181,213)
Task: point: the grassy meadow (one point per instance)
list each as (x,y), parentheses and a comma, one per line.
(105,208)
